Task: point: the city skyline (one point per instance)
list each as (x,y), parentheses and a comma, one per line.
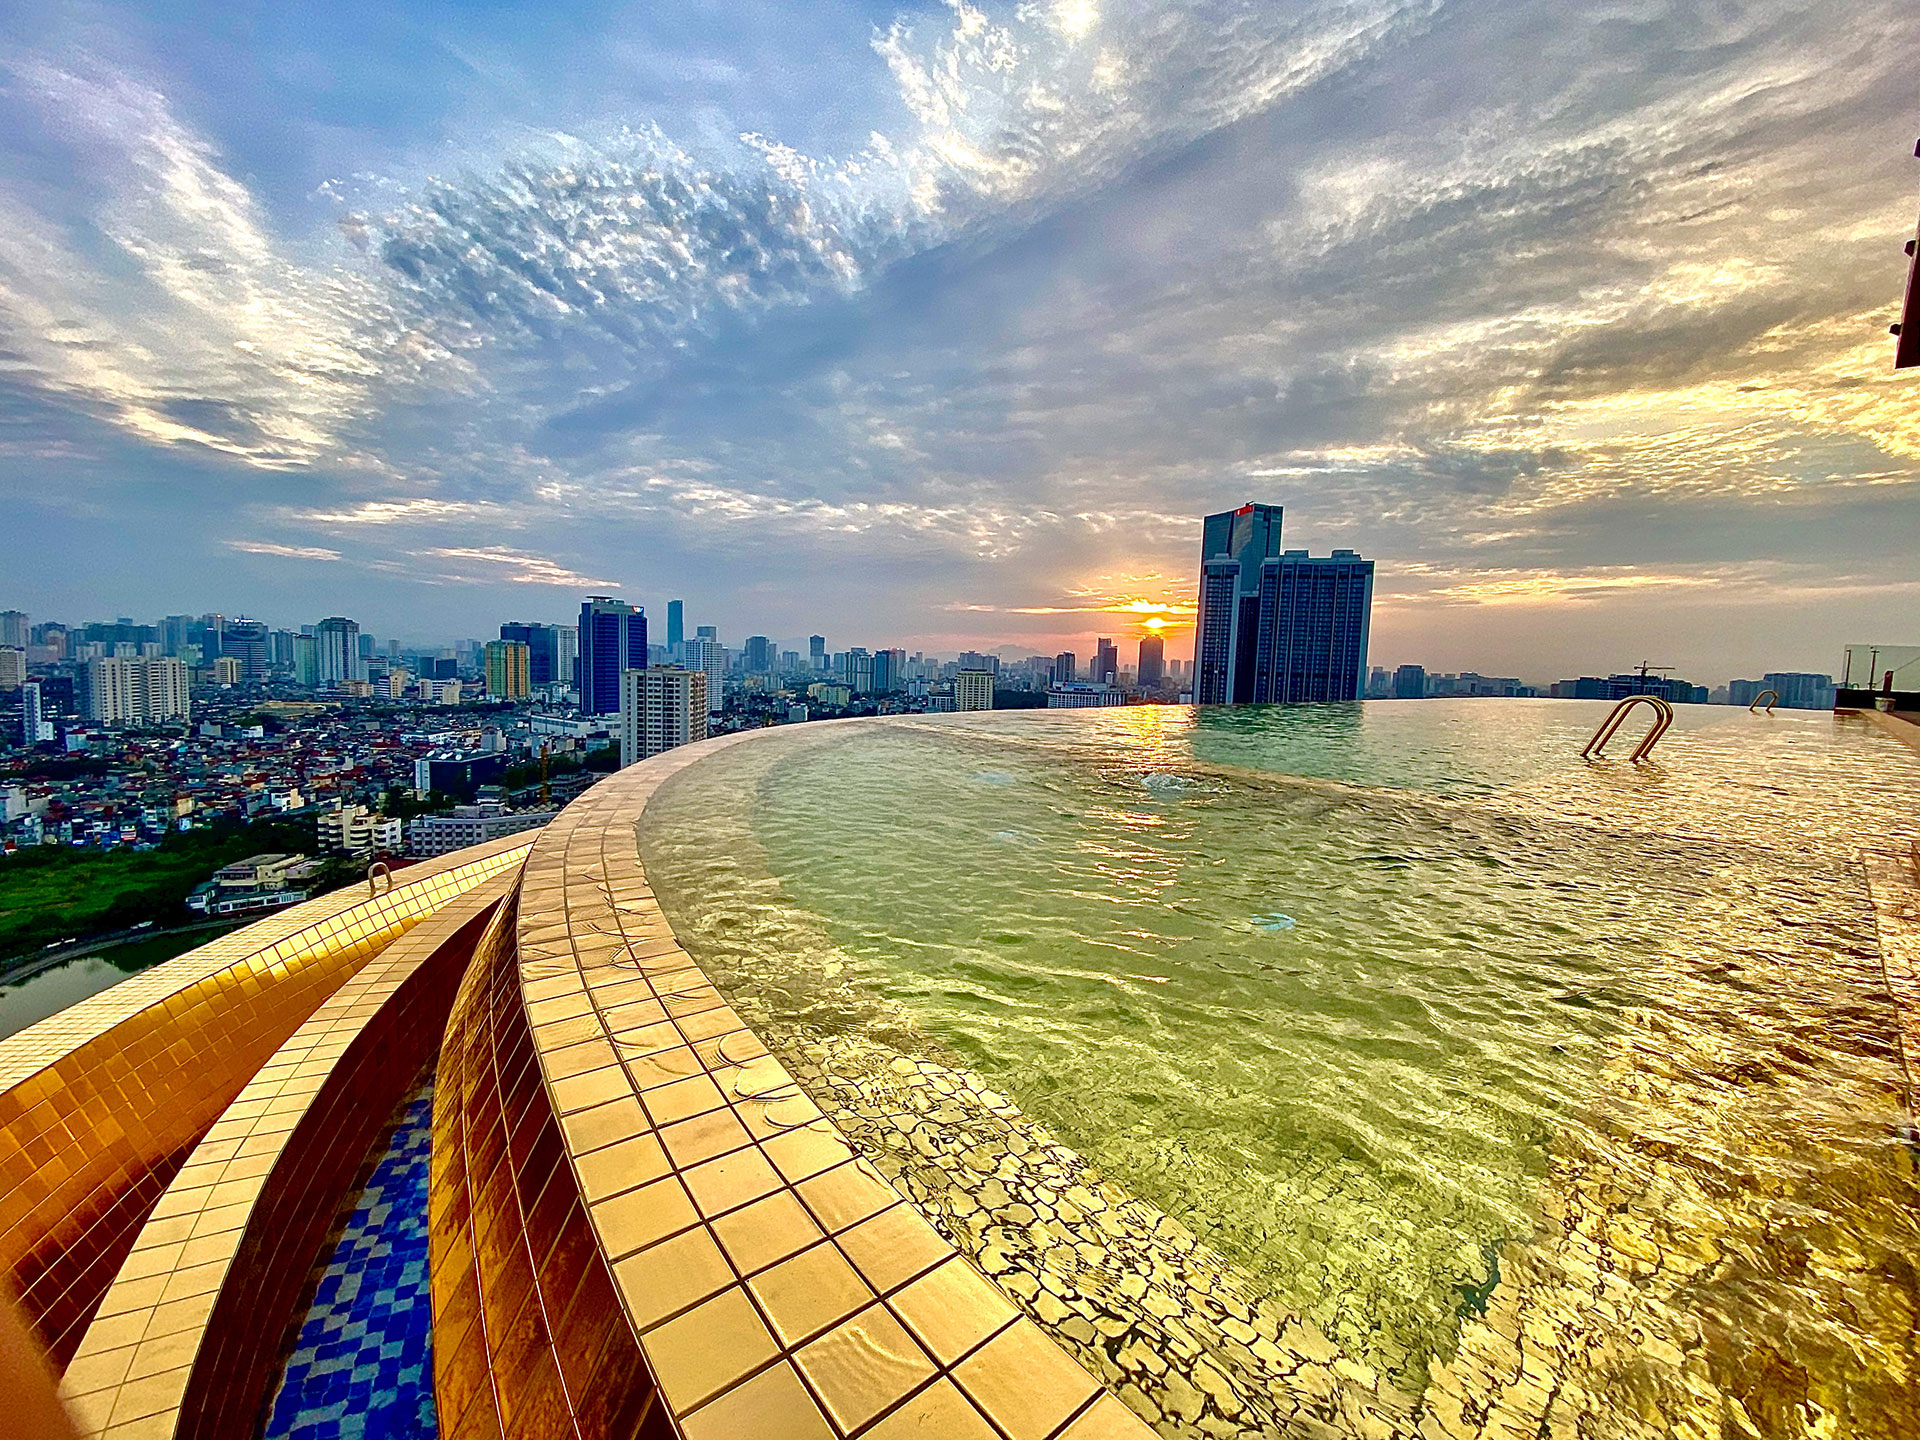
(315,308)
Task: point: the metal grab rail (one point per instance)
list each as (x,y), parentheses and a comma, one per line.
(377,871)
(1662,718)
(1772,697)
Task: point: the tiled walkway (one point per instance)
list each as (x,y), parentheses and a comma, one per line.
(363,1365)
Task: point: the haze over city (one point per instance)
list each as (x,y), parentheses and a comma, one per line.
(940,326)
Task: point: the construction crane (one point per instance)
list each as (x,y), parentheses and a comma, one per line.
(546,794)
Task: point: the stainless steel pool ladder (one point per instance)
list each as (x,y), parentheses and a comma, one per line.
(1662,718)
(1771,699)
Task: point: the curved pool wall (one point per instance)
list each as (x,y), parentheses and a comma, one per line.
(668,1138)
(1701,1147)
(635,1223)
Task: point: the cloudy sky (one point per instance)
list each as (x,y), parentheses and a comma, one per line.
(936,325)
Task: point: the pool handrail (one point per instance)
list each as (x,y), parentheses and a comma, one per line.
(1662,719)
(1772,697)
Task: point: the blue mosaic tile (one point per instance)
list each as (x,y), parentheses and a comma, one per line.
(362,1368)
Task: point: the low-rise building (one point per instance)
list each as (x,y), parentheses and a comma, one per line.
(355,830)
(429,835)
(259,882)
(1083,695)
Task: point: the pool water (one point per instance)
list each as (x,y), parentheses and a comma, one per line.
(1442,1037)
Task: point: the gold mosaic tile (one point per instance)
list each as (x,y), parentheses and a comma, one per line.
(102,1099)
(158,1324)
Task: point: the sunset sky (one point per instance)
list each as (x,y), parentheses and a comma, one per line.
(938,326)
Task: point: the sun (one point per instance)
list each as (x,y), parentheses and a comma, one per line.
(1154,623)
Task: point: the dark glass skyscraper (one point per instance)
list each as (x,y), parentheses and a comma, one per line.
(1233,546)
(1276,627)
(1315,615)
(1153,661)
(676,623)
(613,637)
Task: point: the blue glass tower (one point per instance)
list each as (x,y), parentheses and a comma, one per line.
(613,637)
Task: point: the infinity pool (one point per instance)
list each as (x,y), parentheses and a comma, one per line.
(1538,1091)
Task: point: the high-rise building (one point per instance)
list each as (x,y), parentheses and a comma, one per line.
(136,692)
(758,659)
(13,667)
(176,633)
(1066,668)
(676,623)
(613,638)
(660,708)
(1315,618)
(1799,690)
(566,653)
(1106,661)
(1410,683)
(860,670)
(34,725)
(816,652)
(708,655)
(973,690)
(338,658)
(1153,661)
(543,650)
(306,660)
(15,631)
(508,667)
(1233,546)
(1273,627)
(247,643)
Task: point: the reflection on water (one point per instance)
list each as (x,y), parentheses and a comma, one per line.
(1593,1054)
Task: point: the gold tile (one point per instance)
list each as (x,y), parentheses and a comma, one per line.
(641,1217)
(766,1231)
(615,1168)
(604,1124)
(952,1310)
(1024,1382)
(666,1278)
(164,1352)
(773,1405)
(1108,1419)
(99,1370)
(682,1099)
(939,1412)
(800,1153)
(862,1366)
(596,1087)
(731,1181)
(149,1395)
(893,1247)
(808,1293)
(703,1137)
(846,1195)
(708,1349)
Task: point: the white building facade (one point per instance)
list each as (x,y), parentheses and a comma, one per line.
(661,707)
(123,691)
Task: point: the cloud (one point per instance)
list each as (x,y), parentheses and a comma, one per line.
(284,552)
(515,568)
